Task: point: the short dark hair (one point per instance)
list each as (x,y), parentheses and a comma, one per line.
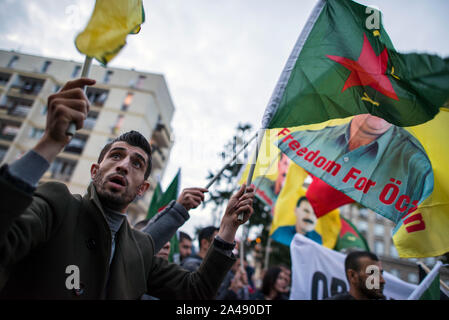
(183,235)
(303,198)
(206,233)
(135,139)
(269,279)
(352,260)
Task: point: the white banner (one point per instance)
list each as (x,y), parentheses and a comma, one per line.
(319,272)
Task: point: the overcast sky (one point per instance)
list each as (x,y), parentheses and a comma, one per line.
(220,58)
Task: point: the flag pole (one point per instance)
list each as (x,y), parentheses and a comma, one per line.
(253,165)
(427,270)
(84,74)
(229,163)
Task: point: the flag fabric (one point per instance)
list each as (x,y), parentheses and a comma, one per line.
(160,200)
(350,238)
(283,228)
(270,169)
(110,23)
(429,288)
(369,122)
(319,273)
(344,64)
(324,198)
(155,199)
(442,293)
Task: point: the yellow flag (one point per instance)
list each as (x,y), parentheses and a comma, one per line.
(424,232)
(327,227)
(110,23)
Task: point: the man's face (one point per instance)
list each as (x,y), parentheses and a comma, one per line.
(371,125)
(185,248)
(119,178)
(164,252)
(305,217)
(362,277)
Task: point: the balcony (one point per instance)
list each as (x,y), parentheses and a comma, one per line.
(20,111)
(161,136)
(90,121)
(97,96)
(8,130)
(62,169)
(77,144)
(157,157)
(4,78)
(27,85)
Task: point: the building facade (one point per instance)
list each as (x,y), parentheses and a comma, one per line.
(377,231)
(121,100)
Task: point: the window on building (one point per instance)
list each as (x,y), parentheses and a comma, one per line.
(97,96)
(90,121)
(45,66)
(140,80)
(13,61)
(36,133)
(127,101)
(107,76)
(76,71)
(364,213)
(76,144)
(4,78)
(412,277)
(362,226)
(3,151)
(118,124)
(62,169)
(430,261)
(29,85)
(379,230)
(393,251)
(9,131)
(396,273)
(379,247)
(18,107)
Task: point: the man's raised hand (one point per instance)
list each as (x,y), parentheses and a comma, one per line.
(191,198)
(68,105)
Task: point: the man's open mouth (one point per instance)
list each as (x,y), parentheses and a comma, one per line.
(308,221)
(118,181)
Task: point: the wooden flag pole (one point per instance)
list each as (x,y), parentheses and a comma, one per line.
(84,74)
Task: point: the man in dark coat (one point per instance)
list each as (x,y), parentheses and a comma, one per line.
(55,245)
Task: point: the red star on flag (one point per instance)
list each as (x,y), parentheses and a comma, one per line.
(368,70)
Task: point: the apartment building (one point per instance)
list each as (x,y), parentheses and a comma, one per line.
(122,100)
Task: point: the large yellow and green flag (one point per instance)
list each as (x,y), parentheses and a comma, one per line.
(110,23)
(369,121)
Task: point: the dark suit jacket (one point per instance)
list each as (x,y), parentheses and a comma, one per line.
(43,234)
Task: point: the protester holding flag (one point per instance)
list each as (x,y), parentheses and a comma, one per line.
(57,245)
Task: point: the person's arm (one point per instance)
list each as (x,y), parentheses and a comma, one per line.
(173,282)
(163,226)
(26,221)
